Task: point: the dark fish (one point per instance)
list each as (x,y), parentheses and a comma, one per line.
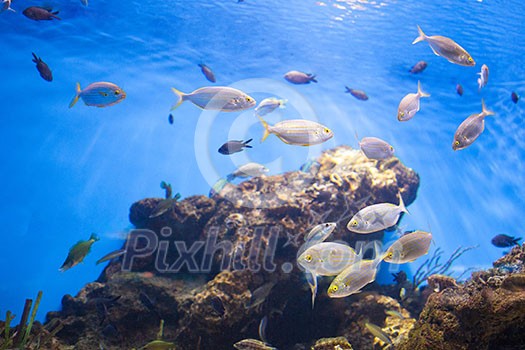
(400,277)
(359,94)
(43,68)
(218,306)
(148,303)
(504,241)
(170,118)
(514,97)
(208,73)
(418,67)
(296,77)
(40,14)
(459,89)
(111,256)
(231,147)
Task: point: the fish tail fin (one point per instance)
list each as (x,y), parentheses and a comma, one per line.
(282,103)
(246,143)
(421,92)
(421,36)
(348,90)
(379,255)
(10,9)
(35,57)
(312,78)
(266,128)
(77,96)
(94,237)
(54,15)
(402,204)
(230,177)
(484,109)
(180,98)
(516,240)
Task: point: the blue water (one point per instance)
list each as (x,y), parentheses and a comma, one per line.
(69,172)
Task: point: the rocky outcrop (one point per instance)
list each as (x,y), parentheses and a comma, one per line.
(200,266)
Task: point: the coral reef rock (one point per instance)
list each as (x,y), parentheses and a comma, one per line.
(212,268)
(486,312)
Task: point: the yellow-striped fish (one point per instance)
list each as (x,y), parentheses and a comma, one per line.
(298,132)
(408,247)
(378,332)
(100,94)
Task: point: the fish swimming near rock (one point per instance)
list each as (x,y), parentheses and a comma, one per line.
(158,345)
(408,247)
(164,206)
(459,89)
(217,187)
(470,129)
(483,76)
(377,217)
(296,77)
(40,14)
(219,98)
(378,332)
(359,94)
(100,94)
(113,255)
(400,277)
(505,241)
(320,232)
(42,68)
(78,252)
(248,170)
(418,67)
(252,344)
(356,276)
(269,105)
(232,147)
(375,148)
(259,295)
(396,314)
(446,48)
(5,5)
(299,132)
(514,97)
(409,105)
(208,73)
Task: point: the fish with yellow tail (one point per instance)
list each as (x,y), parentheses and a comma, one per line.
(470,129)
(218,98)
(409,105)
(101,94)
(297,132)
(446,48)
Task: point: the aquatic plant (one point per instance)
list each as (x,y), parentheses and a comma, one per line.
(7,331)
(432,265)
(21,336)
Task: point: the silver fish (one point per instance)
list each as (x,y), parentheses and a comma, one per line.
(408,247)
(327,258)
(252,344)
(112,255)
(447,48)
(483,76)
(208,73)
(296,77)
(298,132)
(470,129)
(248,170)
(320,232)
(357,275)
(375,148)
(377,217)
(378,332)
(259,295)
(99,95)
(409,105)
(5,5)
(268,105)
(221,98)
(395,313)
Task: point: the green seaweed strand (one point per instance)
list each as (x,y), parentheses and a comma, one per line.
(32,319)
(161,330)
(8,318)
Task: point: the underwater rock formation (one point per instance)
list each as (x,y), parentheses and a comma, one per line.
(486,312)
(244,241)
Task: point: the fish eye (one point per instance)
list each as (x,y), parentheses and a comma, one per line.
(333,289)
(326,131)
(308,258)
(248,99)
(117,92)
(456,143)
(392,148)
(470,59)
(353,223)
(401,114)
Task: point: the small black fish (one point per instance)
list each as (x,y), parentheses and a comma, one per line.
(208,73)
(170,119)
(359,94)
(459,89)
(218,306)
(504,241)
(231,147)
(514,97)
(418,67)
(148,303)
(400,277)
(40,14)
(42,68)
